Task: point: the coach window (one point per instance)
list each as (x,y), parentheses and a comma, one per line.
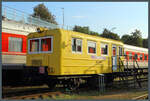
(76,45)
(145,57)
(46,44)
(92,47)
(130,56)
(141,57)
(15,44)
(136,56)
(125,54)
(104,49)
(34,45)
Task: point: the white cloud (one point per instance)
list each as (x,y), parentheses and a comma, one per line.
(79,17)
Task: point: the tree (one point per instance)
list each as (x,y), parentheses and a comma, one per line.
(127,39)
(94,33)
(145,43)
(44,14)
(108,34)
(81,29)
(85,30)
(134,39)
(137,38)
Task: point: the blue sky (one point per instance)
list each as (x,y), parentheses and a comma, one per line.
(124,16)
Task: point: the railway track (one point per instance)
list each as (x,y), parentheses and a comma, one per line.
(50,95)
(142,97)
(33,93)
(42,92)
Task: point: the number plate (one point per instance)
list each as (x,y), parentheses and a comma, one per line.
(41,70)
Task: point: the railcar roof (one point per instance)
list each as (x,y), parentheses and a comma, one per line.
(135,48)
(79,33)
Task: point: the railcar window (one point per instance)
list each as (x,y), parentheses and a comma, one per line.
(91,47)
(104,49)
(114,51)
(120,51)
(15,44)
(136,56)
(46,44)
(145,57)
(141,57)
(130,56)
(76,45)
(34,45)
(125,54)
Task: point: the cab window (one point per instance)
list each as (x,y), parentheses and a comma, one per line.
(34,45)
(46,44)
(40,45)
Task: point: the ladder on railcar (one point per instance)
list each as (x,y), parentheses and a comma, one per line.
(139,72)
(123,75)
(136,72)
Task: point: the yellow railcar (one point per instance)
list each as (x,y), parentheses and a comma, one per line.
(59,53)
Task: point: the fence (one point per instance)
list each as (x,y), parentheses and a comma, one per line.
(20,16)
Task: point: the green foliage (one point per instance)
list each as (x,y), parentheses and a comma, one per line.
(145,43)
(94,33)
(108,34)
(44,14)
(134,39)
(127,39)
(85,30)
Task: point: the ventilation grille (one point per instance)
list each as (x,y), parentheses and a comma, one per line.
(36,62)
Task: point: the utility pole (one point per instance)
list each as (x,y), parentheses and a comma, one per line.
(63,16)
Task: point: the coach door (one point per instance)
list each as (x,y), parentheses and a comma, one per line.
(114,57)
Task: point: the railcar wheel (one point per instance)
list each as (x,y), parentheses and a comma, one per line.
(92,83)
(51,84)
(109,78)
(74,84)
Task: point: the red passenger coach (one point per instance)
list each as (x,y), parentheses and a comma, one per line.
(136,53)
(14,50)
(13,44)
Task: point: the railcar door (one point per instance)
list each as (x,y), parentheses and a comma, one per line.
(114,58)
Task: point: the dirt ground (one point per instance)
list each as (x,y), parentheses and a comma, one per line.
(114,92)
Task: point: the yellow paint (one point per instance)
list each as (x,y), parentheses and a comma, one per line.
(64,62)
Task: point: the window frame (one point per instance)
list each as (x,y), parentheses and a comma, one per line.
(144,57)
(21,44)
(95,48)
(76,52)
(114,45)
(40,45)
(120,47)
(130,55)
(136,57)
(141,55)
(107,48)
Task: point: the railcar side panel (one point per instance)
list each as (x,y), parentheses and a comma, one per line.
(51,60)
(75,63)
